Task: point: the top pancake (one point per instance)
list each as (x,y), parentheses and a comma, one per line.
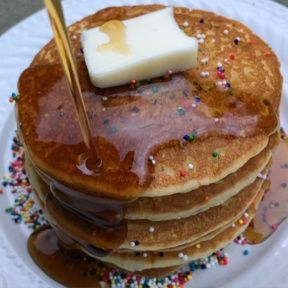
(54,141)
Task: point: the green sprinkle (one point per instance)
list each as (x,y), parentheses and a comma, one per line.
(180,111)
(215,154)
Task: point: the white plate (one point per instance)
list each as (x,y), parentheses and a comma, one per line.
(267,264)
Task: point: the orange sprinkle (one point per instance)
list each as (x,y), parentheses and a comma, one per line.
(232,56)
(206,198)
(241,222)
(268,53)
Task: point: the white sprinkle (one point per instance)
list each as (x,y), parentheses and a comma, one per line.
(145,255)
(226,32)
(104,109)
(74,36)
(246,215)
(262,177)
(233,225)
(226,60)
(219,64)
(151,157)
(199,36)
(153,162)
(201,41)
(185,258)
(190,166)
(180,255)
(186,24)
(216,120)
(204,60)
(151,229)
(194,105)
(213,40)
(204,74)
(104,98)
(132,244)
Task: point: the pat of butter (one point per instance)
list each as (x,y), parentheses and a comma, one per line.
(139,48)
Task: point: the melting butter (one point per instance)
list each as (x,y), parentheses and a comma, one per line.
(140,48)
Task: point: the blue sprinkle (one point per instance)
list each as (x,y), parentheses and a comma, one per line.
(246,252)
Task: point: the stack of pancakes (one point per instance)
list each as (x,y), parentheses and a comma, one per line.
(183,200)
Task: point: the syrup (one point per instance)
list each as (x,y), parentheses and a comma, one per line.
(71,268)
(274,207)
(123,125)
(116,31)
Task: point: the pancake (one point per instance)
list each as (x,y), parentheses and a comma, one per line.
(170,233)
(132,263)
(188,190)
(249,65)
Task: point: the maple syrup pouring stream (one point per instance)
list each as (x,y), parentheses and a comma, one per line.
(57,20)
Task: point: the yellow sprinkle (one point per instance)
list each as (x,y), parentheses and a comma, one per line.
(198,246)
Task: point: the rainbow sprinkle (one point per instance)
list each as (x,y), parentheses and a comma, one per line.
(24,208)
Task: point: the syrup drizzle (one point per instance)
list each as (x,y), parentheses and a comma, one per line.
(116,31)
(274,207)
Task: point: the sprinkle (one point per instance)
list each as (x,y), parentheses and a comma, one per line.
(201,21)
(74,36)
(137,242)
(246,215)
(180,111)
(198,246)
(226,32)
(215,154)
(241,222)
(246,252)
(237,40)
(189,137)
(151,229)
(205,60)
(201,40)
(185,258)
(133,83)
(151,158)
(182,173)
(170,72)
(190,166)
(262,176)
(274,226)
(216,120)
(268,53)
(104,98)
(206,198)
(103,109)
(232,56)
(204,74)
(197,99)
(181,255)
(132,244)
(186,24)
(233,225)
(145,255)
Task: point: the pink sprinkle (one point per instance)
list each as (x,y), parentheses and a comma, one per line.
(274,226)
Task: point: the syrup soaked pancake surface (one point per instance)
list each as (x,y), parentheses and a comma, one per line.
(130,124)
